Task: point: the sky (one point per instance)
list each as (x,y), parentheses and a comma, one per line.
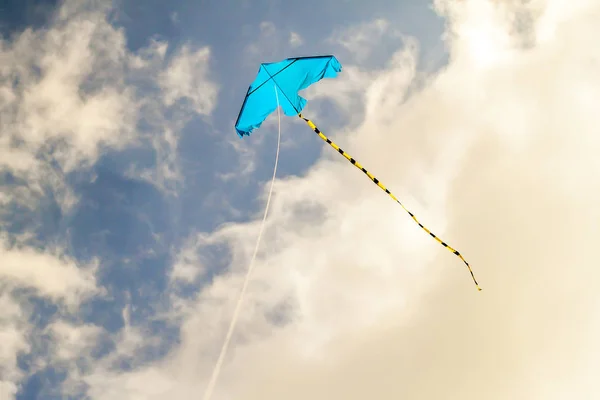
(130,208)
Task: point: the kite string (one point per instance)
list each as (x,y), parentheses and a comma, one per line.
(217,369)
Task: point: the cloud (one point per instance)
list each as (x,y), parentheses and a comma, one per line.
(62,100)
(46,107)
(13,334)
(358,40)
(186,89)
(264,47)
(350,299)
(188,265)
(496,153)
(352,89)
(269,43)
(50,274)
(295,39)
(71,93)
(187,78)
(267,28)
(73,340)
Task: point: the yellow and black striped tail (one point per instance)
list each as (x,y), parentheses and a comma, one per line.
(378,183)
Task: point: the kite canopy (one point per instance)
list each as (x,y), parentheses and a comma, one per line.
(288,77)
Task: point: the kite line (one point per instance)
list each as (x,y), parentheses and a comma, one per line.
(382,187)
(215,374)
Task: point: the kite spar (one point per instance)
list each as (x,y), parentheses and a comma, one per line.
(290,76)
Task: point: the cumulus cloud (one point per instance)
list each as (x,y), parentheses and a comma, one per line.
(271,40)
(186,89)
(45,106)
(74,340)
(50,274)
(358,40)
(187,78)
(188,265)
(62,100)
(295,39)
(71,92)
(264,45)
(13,336)
(351,300)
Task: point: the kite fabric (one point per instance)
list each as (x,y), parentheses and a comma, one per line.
(288,77)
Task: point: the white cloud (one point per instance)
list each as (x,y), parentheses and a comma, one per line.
(270,43)
(187,78)
(267,28)
(50,274)
(295,39)
(188,265)
(166,172)
(58,281)
(69,93)
(186,89)
(354,87)
(73,341)
(13,338)
(149,57)
(62,100)
(503,145)
(359,40)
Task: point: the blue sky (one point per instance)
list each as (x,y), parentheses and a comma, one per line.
(131,207)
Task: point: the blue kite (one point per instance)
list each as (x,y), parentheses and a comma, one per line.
(283,80)
(288,77)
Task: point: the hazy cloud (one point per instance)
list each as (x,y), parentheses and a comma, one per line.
(71,92)
(187,78)
(350,299)
(496,153)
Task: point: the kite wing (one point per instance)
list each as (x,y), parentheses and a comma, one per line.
(288,77)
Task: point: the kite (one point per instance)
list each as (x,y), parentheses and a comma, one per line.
(289,77)
(281,81)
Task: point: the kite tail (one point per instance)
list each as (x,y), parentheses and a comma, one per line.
(378,183)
